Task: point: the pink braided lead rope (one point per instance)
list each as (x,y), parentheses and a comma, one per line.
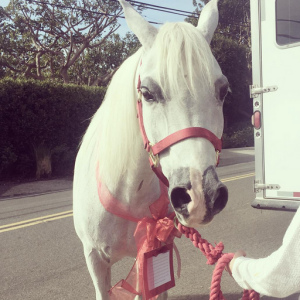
(213,255)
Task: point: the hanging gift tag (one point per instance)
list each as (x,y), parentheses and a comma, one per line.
(158,271)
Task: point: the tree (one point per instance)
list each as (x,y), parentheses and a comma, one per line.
(96,66)
(15,48)
(232,59)
(54,34)
(234,19)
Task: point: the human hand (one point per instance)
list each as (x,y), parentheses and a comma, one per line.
(229,266)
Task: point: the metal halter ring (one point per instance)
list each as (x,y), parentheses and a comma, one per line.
(154,158)
(217,156)
(175,220)
(140,95)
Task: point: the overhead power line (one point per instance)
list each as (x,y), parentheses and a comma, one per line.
(80,9)
(145,5)
(156,7)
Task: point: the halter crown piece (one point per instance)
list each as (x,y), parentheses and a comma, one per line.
(155,149)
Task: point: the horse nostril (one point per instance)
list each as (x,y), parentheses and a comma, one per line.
(180,199)
(221,199)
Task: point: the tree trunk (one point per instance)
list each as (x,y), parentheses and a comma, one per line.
(104,80)
(43,161)
(64,74)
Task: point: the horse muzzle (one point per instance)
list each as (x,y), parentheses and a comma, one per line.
(197,198)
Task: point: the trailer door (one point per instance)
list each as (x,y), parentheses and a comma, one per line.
(276,76)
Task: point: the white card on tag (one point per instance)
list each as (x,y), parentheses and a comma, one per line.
(158,271)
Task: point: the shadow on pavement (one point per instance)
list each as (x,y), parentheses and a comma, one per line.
(292,297)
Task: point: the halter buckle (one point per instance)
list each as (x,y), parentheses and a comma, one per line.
(175,220)
(217,157)
(140,94)
(154,158)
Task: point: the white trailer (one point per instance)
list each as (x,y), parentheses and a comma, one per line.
(275,26)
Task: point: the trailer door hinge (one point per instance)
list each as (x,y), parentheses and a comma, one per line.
(261,186)
(256,90)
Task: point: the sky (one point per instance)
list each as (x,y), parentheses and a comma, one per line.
(151,15)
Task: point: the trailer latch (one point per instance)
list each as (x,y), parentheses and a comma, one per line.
(261,186)
(256,90)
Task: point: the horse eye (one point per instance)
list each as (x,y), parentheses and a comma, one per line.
(147,95)
(223,91)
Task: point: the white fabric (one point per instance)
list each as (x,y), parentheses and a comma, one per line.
(277,275)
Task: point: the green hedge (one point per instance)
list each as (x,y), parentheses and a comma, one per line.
(55,116)
(35,113)
(239,135)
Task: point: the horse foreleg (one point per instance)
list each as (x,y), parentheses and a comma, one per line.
(100,272)
(163,296)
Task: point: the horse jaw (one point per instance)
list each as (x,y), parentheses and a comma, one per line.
(209,20)
(144,31)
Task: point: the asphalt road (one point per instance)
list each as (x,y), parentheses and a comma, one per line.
(42,258)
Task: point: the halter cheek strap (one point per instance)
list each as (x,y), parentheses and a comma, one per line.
(155,150)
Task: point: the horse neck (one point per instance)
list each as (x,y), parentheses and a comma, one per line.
(138,188)
(131,180)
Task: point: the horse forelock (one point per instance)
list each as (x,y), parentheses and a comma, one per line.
(183,55)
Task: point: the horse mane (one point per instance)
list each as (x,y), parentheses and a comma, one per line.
(117,133)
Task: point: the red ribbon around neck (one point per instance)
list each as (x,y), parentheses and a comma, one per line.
(150,233)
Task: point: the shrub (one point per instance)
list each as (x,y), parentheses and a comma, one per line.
(43,114)
(239,135)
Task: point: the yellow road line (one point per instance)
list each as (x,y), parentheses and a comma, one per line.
(35,219)
(238,177)
(69,213)
(34,223)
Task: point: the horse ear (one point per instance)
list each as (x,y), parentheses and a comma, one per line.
(209,19)
(144,31)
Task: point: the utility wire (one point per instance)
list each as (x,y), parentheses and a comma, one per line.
(145,5)
(194,15)
(81,9)
(162,10)
(156,6)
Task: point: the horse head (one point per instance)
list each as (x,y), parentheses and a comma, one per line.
(182,87)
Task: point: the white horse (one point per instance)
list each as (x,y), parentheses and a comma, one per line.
(182,86)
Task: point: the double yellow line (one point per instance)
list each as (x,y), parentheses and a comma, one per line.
(36,221)
(66,214)
(238,177)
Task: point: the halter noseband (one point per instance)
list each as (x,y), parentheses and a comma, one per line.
(171,139)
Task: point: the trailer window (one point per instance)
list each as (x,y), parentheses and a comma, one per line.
(287,22)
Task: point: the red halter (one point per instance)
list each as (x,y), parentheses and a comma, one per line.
(170,140)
